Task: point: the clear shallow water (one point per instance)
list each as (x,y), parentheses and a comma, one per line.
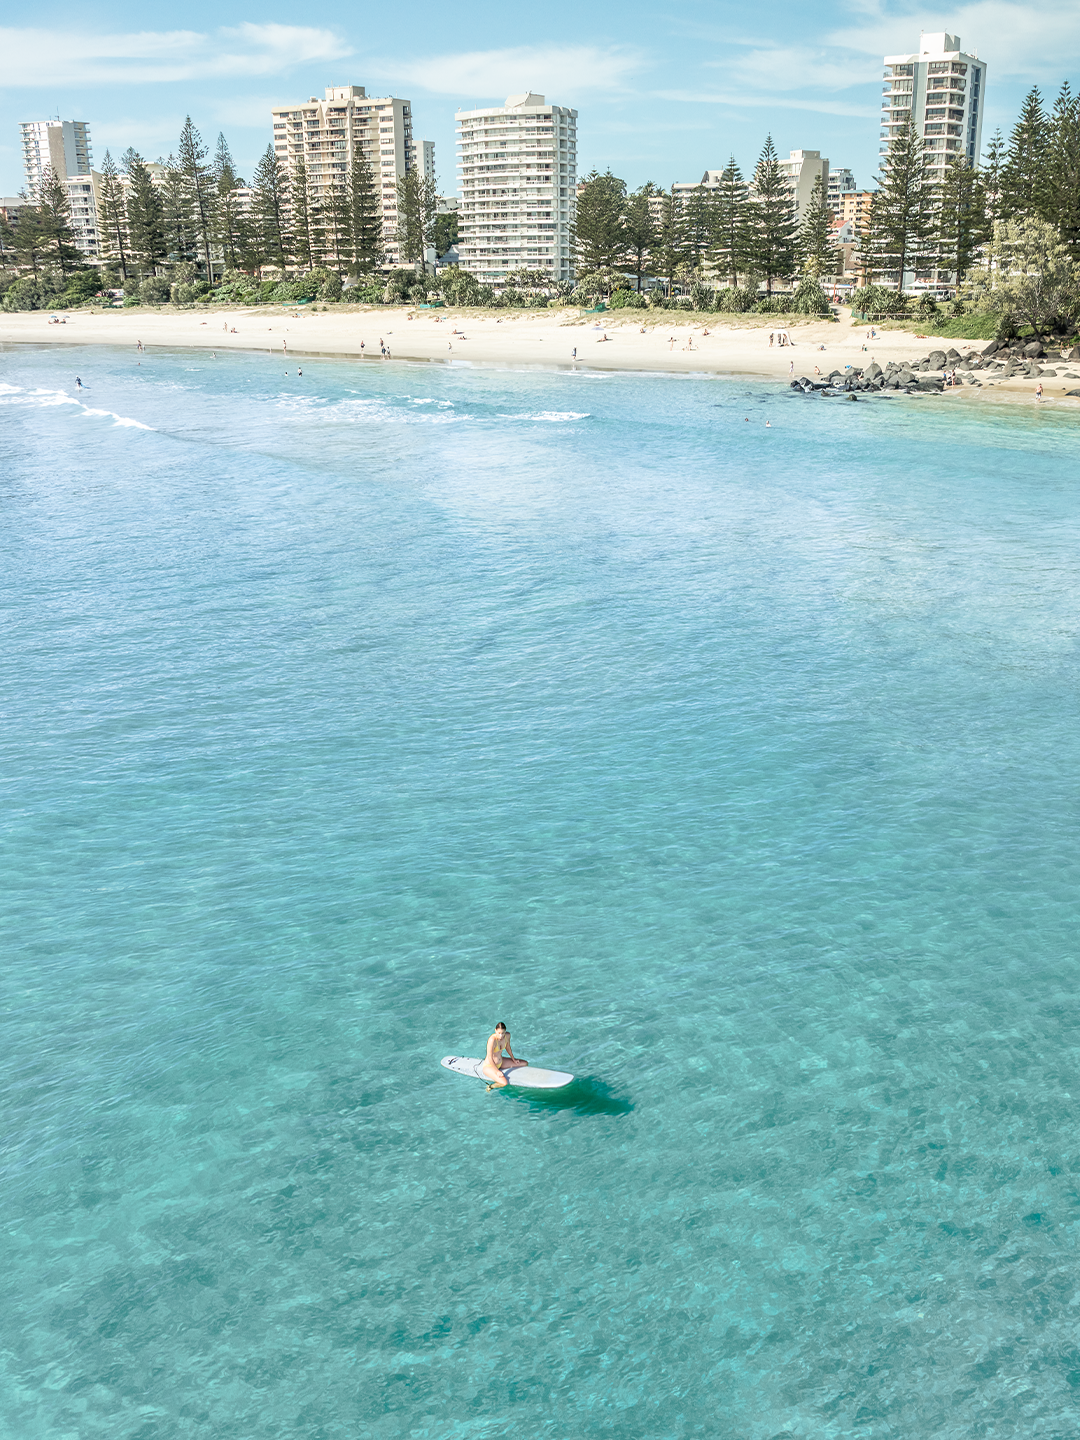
(737,769)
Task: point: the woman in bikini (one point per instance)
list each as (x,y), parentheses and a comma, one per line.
(495,1062)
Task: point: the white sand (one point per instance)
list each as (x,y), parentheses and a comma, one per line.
(672,342)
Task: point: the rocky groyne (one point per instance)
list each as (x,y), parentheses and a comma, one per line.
(1000,360)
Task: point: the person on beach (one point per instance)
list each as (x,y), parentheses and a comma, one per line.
(573,353)
(772,337)
(495,1062)
(1038,391)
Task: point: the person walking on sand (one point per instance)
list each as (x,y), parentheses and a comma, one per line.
(573,353)
(495,1063)
(791,367)
(772,337)
(1038,391)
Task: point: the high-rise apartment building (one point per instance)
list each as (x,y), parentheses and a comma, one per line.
(428,147)
(326,133)
(802,170)
(60,145)
(841,183)
(518,166)
(944,91)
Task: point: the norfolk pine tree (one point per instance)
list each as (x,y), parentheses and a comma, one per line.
(55,212)
(639,228)
(364,243)
(962,224)
(819,252)
(179,215)
(1063,177)
(599,239)
(991,176)
(900,231)
(229,222)
(270,210)
(306,226)
(730,250)
(773,229)
(145,214)
(416,206)
(1024,175)
(671,251)
(201,185)
(112,214)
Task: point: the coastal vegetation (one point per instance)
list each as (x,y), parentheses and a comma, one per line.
(187,230)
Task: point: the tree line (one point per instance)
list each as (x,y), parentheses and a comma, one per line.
(194,218)
(735,229)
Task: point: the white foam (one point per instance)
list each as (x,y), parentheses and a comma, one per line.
(47,399)
(552,416)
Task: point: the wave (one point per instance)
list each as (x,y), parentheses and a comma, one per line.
(552,416)
(46,399)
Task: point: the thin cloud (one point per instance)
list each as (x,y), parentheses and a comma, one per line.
(1014,39)
(767,102)
(51,58)
(559,71)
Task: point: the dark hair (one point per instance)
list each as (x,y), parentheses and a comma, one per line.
(501,1025)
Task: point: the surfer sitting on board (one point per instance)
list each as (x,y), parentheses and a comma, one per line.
(495,1062)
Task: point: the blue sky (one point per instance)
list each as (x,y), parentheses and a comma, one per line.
(664,91)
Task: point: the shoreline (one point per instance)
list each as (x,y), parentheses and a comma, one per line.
(682,344)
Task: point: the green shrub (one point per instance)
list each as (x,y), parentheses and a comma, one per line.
(182,294)
(732,300)
(24,294)
(627,300)
(810,298)
(130,300)
(154,290)
(330,289)
(876,301)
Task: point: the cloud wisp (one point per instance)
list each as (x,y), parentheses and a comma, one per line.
(33,58)
(558,70)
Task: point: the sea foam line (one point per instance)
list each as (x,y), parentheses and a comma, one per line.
(46,399)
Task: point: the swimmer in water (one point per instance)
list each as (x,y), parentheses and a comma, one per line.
(495,1062)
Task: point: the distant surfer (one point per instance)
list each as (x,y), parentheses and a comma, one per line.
(495,1062)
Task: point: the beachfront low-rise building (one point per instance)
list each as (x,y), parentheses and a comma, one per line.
(518,165)
(841,183)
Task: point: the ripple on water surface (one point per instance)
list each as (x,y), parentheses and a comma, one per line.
(734,767)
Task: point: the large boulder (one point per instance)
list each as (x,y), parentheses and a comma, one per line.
(873,370)
(993,347)
(1033,348)
(936,360)
(930,382)
(952,356)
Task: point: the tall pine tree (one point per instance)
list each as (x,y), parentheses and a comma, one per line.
(181,236)
(306,220)
(963,227)
(145,214)
(201,183)
(818,248)
(899,235)
(416,204)
(364,246)
(991,176)
(672,251)
(1024,178)
(55,212)
(112,215)
(773,229)
(270,211)
(639,228)
(229,220)
(730,252)
(1063,170)
(598,236)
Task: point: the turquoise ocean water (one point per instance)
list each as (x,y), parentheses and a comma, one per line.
(736,768)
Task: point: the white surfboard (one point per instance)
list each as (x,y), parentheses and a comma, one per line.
(524,1077)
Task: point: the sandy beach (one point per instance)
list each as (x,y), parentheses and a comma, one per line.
(624,340)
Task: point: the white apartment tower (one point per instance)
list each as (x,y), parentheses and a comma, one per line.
(944,91)
(518,166)
(62,145)
(326,133)
(841,183)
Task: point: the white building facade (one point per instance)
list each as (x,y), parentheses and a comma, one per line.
(944,91)
(518,165)
(60,145)
(326,133)
(802,170)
